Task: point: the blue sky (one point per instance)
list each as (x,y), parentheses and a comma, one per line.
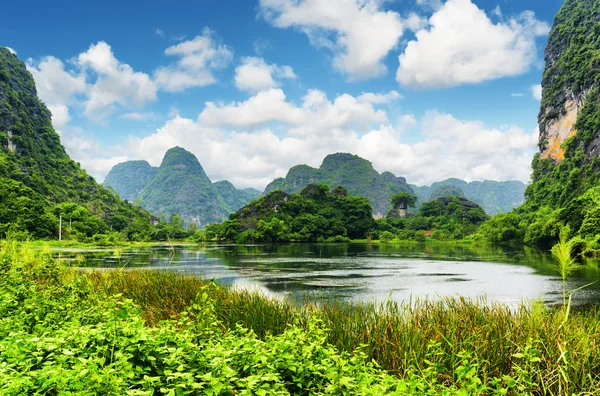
(427,89)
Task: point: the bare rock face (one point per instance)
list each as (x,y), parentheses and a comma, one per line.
(557,130)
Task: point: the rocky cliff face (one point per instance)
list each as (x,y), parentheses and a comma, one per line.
(570,78)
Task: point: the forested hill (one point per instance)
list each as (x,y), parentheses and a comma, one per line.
(130,178)
(493,196)
(565,183)
(179,186)
(38,180)
(356,174)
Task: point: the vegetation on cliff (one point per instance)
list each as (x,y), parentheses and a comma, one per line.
(566,192)
(38,181)
(179,186)
(493,196)
(355,174)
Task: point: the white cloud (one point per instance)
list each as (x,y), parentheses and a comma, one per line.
(254,74)
(462,45)
(379,98)
(516,95)
(198,58)
(315,113)
(55,85)
(358,32)
(258,152)
(12,51)
(57,88)
(260,46)
(160,33)
(432,4)
(137,116)
(536,91)
(117,82)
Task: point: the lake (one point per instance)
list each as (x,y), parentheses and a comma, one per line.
(364,272)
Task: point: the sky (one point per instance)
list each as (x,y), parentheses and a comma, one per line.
(426,89)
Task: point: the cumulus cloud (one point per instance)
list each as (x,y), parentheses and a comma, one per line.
(462,45)
(536,91)
(55,85)
(379,98)
(138,116)
(358,32)
(316,112)
(198,59)
(116,83)
(261,149)
(432,4)
(254,74)
(12,51)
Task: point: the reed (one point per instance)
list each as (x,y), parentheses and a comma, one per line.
(530,350)
(398,336)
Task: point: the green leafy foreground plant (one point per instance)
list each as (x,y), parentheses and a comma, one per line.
(60,334)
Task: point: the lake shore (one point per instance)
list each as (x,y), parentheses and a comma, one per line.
(444,347)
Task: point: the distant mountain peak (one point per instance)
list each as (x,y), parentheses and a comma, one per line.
(354,173)
(179,186)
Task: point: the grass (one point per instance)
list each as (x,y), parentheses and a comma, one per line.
(397,336)
(451,346)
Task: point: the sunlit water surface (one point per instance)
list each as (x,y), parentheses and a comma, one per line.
(364,272)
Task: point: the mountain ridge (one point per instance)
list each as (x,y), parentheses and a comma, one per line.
(178,186)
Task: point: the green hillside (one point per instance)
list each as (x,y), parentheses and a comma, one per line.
(315,215)
(354,173)
(129,178)
(179,186)
(38,180)
(493,196)
(565,183)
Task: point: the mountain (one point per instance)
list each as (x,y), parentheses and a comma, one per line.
(493,196)
(446,191)
(356,174)
(129,178)
(564,193)
(38,180)
(179,186)
(233,197)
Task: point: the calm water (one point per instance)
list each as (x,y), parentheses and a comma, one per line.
(364,271)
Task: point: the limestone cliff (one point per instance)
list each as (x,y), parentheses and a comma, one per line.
(570,79)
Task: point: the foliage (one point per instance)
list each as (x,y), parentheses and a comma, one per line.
(36,174)
(355,174)
(316,214)
(447,218)
(65,331)
(493,196)
(407,200)
(564,194)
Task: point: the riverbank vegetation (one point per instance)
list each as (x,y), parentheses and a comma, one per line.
(144,332)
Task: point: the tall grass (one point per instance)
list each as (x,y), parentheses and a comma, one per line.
(399,337)
(542,351)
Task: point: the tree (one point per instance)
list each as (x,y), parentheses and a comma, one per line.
(403,200)
(400,204)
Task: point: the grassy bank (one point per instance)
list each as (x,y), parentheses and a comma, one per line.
(142,332)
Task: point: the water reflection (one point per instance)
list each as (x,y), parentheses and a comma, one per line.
(366,271)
